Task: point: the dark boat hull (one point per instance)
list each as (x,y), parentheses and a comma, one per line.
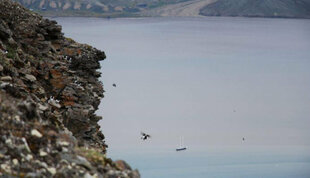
(180,149)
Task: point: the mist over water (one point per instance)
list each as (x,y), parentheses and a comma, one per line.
(211,80)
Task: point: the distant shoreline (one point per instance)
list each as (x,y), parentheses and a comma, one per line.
(178,8)
(141,16)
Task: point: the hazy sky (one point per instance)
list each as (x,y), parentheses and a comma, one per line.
(187,77)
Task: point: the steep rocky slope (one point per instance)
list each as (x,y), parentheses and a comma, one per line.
(80,7)
(259,8)
(183,9)
(49,92)
(103,8)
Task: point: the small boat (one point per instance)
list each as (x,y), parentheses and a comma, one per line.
(181,146)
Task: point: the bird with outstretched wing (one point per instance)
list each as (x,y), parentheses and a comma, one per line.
(145,136)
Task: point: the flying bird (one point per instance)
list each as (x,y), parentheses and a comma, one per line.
(243,139)
(114,85)
(145,136)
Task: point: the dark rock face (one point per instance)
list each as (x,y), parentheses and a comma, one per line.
(259,8)
(49,92)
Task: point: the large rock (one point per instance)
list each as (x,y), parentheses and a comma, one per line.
(122,165)
(5,32)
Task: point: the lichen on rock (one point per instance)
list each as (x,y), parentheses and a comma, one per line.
(49,92)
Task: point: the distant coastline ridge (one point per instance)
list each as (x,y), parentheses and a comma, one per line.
(171,8)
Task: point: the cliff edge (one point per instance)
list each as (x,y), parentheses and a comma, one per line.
(49,92)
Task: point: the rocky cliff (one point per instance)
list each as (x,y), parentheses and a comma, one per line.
(49,92)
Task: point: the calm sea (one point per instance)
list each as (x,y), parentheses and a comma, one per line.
(212,81)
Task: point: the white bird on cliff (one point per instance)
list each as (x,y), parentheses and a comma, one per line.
(52,99)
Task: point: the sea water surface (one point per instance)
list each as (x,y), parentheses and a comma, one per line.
(212,80)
